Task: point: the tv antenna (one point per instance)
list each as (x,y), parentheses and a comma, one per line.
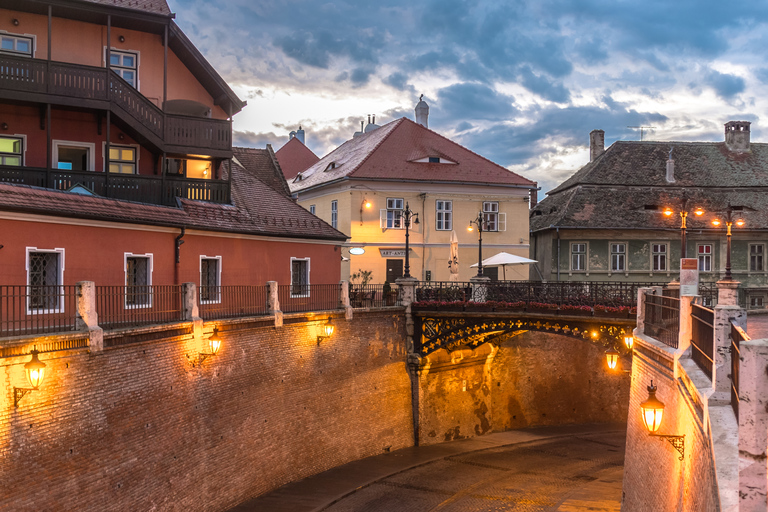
(642,129)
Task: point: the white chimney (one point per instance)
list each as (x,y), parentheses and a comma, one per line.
(422,112)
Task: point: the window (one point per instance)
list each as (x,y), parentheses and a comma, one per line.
(16,45)
(11,150)
(125,64)
(659,257)
(618,257)
(705,257)
(392,217)
(312,209)
(579,256)
(299,277)
(334,214)
(444,215)
(122,159)
(196,169)
(45,270)
(756,257)
(74,156)
(138,281)
(210,279)
(434,159)
(756,301)
(494,221)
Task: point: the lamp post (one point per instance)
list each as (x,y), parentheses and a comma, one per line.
(683,228)
(407,215)
(728,224)
(479,222)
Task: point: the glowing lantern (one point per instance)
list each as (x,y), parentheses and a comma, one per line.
(716,222)
(699,212)
(35,370)
(612,357)
(327,331)
(652,410)
(739,222)
(629,341)
(214,342)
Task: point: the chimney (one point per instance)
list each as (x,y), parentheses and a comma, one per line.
(737,136)
(300,134)
(670,168)
(422,112)
(596,144)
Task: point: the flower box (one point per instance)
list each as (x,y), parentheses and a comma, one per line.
(568,310)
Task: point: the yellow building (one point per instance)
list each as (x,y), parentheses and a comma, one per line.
(363,186)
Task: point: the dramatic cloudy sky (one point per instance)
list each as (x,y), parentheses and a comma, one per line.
(520,82)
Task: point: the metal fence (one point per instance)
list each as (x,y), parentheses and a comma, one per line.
(308,297)
(737,336)
(373,296)
(703,337)
(443,291)
(130,306)
(26,310)
(232,301)
(662,318)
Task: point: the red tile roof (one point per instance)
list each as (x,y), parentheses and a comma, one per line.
(263,164)
(388,153)
(151,6)
(294,157)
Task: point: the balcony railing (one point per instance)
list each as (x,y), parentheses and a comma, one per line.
(373,296)
(93,83)
(28,310)
(130,306)
(702,337)
(298,298)
(232,301)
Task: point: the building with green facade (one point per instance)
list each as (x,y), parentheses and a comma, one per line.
(607,221)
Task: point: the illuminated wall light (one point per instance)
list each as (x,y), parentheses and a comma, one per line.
(214,344)
(629,341)
(35,371)
(327,331)
(612,358)
(653,412)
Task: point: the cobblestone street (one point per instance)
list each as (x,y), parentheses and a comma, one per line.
(580,470)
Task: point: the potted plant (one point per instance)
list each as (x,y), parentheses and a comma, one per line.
(569,309)
(541,307)
(611,311)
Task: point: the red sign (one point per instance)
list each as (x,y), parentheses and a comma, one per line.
(689,264)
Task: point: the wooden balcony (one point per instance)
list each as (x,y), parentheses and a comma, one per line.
(92,87)
(128,187)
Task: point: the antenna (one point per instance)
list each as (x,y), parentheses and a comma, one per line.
(642,129)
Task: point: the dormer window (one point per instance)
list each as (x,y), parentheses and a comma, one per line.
(433,160)
(331,166)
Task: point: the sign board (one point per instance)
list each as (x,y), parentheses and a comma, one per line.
(357,251)
(689,277)
(392,253)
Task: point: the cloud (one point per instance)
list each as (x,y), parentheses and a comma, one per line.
(474,101)
(399,81)
(726,86)
(543,87)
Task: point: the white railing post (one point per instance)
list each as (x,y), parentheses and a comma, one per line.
(753,426)
(274,303)
(727,310)
(87,316)
(344,299)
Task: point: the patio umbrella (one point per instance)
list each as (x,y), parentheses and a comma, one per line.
(453,262)
(503,259)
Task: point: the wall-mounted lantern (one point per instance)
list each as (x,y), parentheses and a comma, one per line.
(612,357)
(35,370)
(629,341)
(214,344)
(653,411)
(327,331)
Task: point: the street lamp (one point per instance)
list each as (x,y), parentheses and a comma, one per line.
(629,340)
(612,357)
(407,215)
(327,331)
(214,344)
(364,204)
(653,411)
(479,222)
(728,223)
(35,371)
(683,228)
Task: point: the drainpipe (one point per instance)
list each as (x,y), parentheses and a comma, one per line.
(178,243)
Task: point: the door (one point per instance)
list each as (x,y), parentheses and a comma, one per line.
(394,270)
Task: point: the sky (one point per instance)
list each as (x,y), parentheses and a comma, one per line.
(520,82)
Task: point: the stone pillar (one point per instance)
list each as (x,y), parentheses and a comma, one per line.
(728,293)
(753,426)
(479,288)
(641,308)
(686,324)
(87,316)
(344,299)
(727,310)
(407,297)
(191,311)
(274,303)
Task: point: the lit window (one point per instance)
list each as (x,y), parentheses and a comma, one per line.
(45,277)
(579,256)
(756,257)
(210,279)
(618,257)
(125,64)
(11,149)
(138,280)
(122,159)
(299,277)
(16,45)
(659,256)
(705,257)
(334,214)
(444,215)
(392,217)
(73,156)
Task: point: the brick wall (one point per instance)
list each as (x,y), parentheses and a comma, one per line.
(138,428)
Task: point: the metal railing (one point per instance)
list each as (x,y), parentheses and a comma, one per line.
(662,318)
(737,336)
(702,337)
(131,306)
(373,296)
(29,310)
(295,298)
(443,291)
(232,301)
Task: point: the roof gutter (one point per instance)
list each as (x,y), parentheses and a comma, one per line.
(391,180)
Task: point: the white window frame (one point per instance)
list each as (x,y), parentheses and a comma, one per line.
(705,258)
(335,214)
(90,146)
(443,215)
(666,257)
(762,257)
(150,269)
(60,281)
(217,300)
(106,160)
(312,209)
(623,255)
(395,221)
(124,51)
(308,276)
(493,217)
(23,138)
(31,37)
(585,254)
(754,299)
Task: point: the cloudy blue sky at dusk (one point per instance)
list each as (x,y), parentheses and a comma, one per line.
(520,82)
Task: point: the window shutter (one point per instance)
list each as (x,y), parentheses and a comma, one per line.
(383,219)
(502,222)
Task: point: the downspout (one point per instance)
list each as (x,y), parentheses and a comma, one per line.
(178,243)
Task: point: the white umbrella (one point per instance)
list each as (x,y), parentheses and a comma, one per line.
(503,259)
(453,262)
